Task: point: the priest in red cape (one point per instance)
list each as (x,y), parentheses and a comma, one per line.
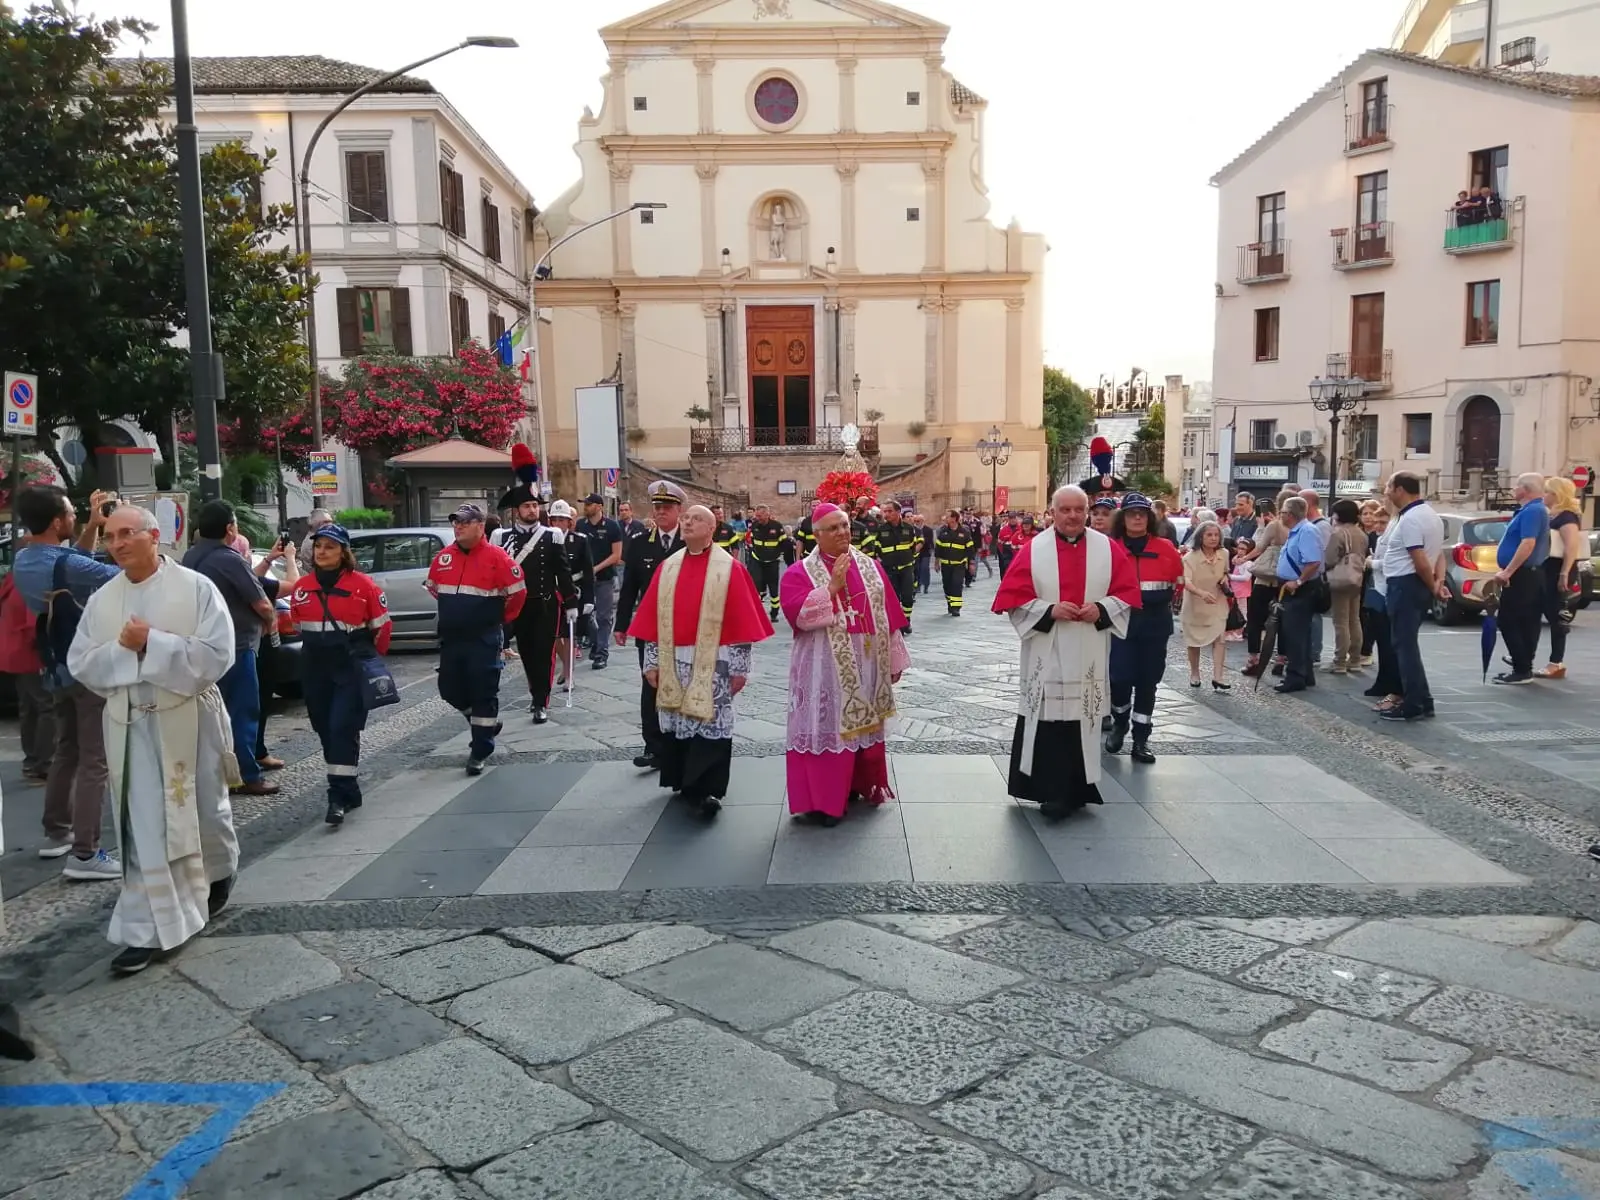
(1068,590)
(698,619)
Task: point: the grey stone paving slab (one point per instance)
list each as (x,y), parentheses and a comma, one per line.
(40,1142)
(1513,1174)
(1581,946)
(1357,987)
(1502,930)
(105,1177)
(245,1055)
(870,1155)
(897,1049)
(358,945)
(1048,953)
(599,1162)
(1296,931)
(1068,1022)
(349,1024)
(1476,965)
(121,1029)
(923,972)
(1065,1193)
(1521,1096)
(555,1014)
(314,1158)
(424,1185)
(1395,1135)
(435,972)
(1201,1001)
(644,949)
(741,986)
(1499,1023)
(1190,944)
(706,1089)
(463,1102)
(563,941)
(1391,1058)
(249,972)
(1276,1170)
(1121,1139)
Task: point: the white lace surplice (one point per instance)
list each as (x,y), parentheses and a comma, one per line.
(731,661)
(816,700)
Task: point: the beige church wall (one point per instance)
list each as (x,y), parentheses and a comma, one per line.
(890,357)
(669,90)
(881,87)
(887,243)
(980,361)
(670,244)
(734,79)
(1032,365)
(739,188)
(670,350)
(571,356)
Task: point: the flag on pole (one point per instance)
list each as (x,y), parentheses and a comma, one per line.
(502,348)
(526,364)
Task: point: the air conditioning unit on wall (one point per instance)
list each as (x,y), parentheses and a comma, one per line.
(1283,441)
(1307,439)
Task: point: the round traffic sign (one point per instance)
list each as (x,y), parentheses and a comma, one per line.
(21,393)
(1581,477)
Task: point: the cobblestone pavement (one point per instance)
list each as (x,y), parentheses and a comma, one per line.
(891,1056)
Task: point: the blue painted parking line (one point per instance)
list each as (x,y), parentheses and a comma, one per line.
(1533,1133)
(170,1176)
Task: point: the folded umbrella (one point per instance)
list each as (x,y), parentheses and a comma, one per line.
(1491,628)
(1269,637)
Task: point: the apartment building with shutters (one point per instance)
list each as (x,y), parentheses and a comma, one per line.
(1342,252)
(418,229)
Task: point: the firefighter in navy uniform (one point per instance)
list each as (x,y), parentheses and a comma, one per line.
(724,535)
(343,618)
(804,540)
(898,546)
(769,547)
(1140,657)
(954,551)
(642,553)
(864,530)
(480,591)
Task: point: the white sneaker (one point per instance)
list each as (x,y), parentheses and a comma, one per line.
(55,847)
(101,867)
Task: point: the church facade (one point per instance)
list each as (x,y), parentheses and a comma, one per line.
(824,258)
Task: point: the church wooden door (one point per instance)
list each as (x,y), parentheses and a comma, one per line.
(778,344)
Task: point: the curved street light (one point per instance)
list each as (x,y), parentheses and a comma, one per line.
(1333,396)
(994,451)
(492,43)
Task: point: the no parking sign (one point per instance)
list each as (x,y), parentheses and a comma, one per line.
(21,404)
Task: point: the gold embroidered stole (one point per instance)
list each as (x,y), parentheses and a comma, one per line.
(696,703)
(859,715)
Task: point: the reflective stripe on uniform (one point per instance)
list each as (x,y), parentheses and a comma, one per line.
(1140,718)
(1156,585)
(489,722)
(325,627)
(463,589)
(341,769)
(378,622)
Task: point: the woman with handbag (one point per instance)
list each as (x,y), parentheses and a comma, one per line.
(344,623)
(1263,562)
(1346,563)
(1206,602)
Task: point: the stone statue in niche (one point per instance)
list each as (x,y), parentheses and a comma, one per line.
(775,237)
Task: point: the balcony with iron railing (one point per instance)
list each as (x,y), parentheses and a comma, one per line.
(1367,129)
(1264,262)
(1478,230)
(796,439)
(1370,245)
(1374,368)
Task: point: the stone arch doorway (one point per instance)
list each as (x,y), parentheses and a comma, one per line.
(1480,435)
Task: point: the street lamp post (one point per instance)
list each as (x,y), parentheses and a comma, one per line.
(1333,396)
(541,270)
(994,451)
(493,43)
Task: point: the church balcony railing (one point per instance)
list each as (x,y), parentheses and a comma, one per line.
(705,441)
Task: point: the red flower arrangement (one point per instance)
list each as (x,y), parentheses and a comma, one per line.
(846,487)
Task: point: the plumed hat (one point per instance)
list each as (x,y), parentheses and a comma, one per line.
(1101,456)
(525,465)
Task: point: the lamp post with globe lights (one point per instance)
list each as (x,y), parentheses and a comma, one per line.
(994,451)
(1333,396)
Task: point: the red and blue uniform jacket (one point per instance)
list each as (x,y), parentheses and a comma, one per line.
(1160,569)
(479,591)
(354,622)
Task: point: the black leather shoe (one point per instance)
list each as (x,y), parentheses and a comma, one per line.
(133,960)
(646,762)
(218,899)
(12,1044)
(1286,688)
(335,815)
(1141,753)
(1114,739)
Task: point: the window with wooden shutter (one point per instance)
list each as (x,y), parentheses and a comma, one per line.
(497,328)
(367,186)
(349,322)
(400,314)
(446,197)
(460,320)
(452,200)
(460,228)
(491,231)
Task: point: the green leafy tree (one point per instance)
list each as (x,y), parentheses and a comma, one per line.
(1068,417)
(91,262)
(1151,483)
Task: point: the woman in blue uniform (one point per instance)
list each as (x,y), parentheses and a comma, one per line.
(1138,660)
(343,617)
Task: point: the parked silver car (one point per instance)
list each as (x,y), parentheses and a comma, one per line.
(399,560)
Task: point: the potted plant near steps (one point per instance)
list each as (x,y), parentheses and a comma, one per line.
(916,429)
(701,416)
